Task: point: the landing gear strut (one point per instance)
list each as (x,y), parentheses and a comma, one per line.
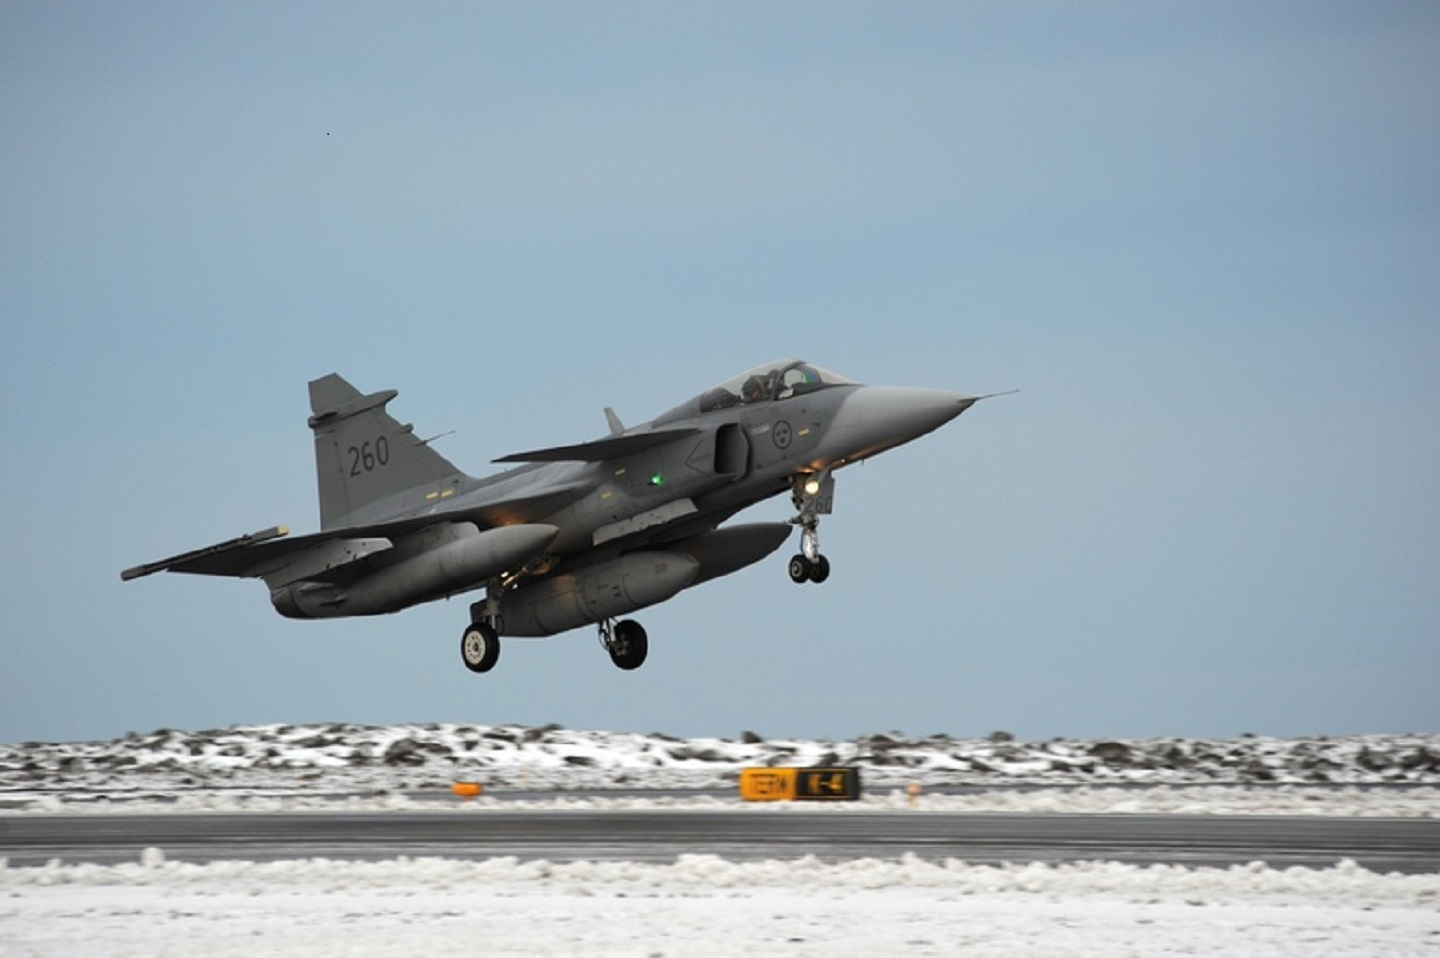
(626,642)
(814,496)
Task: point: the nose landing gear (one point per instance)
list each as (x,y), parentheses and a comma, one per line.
(814,496)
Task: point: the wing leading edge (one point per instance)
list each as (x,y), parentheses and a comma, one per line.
(603,450)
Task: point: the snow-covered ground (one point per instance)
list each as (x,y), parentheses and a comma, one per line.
(702,905)
(338,757)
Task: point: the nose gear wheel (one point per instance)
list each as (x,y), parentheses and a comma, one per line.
(802,569)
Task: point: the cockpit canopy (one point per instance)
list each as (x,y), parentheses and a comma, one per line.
(778,380)
(781,379)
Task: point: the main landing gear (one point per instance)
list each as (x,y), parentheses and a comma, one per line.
(626,642)
(480,642)
(814,496)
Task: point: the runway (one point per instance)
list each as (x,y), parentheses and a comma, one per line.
(1380,845)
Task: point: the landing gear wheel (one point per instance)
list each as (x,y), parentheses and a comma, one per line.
(803,570)
(480,647)
(629,645)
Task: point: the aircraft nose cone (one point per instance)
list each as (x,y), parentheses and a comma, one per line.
(890,415)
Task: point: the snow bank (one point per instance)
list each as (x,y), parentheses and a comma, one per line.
(417,756)
(703,905)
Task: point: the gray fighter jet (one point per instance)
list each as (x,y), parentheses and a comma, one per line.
(578,534)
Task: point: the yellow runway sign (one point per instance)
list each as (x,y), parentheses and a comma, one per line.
(800,784)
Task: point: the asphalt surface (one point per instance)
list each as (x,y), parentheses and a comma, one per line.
(1403,845)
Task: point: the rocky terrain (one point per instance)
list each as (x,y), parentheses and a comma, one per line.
(343,757)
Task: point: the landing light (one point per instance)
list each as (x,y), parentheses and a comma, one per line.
(812,486)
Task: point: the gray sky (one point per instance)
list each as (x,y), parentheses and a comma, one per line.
(1202,239)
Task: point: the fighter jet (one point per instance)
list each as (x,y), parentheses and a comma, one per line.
(574,535)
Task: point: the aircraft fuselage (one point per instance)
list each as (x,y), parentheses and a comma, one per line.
(575,534)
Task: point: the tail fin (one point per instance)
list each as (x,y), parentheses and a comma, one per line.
(363,457)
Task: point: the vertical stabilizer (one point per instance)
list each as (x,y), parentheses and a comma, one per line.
(363,457)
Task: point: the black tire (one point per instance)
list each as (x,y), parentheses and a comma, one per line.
(480,647)
(820,571)
(800,569)
(629,645)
